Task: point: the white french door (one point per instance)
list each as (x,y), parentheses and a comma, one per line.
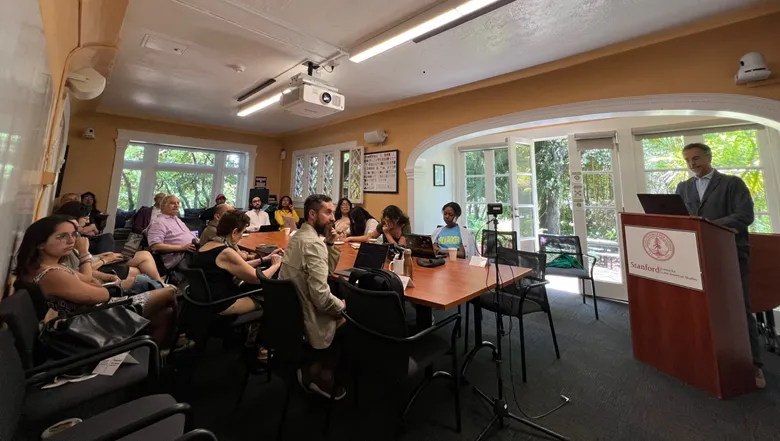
(501,174)
(597,200)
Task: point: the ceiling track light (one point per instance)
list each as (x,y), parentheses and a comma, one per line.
(428,24)
(464,19)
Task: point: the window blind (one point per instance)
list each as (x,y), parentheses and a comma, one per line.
(595,141)
(693,129)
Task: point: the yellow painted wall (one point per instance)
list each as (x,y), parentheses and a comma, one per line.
(700,63)
(90,161)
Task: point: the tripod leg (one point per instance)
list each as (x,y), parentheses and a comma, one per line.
(537,427)
(522,343)
(552,330)
(487,428)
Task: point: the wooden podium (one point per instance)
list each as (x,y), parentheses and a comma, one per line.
(685,301)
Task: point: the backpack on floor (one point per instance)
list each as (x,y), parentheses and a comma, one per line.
(377,280)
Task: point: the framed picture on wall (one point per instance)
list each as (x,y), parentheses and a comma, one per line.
(380,172)
(438,175)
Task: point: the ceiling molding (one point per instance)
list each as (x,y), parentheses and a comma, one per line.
(707,24)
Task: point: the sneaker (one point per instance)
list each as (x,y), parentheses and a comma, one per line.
(760,380)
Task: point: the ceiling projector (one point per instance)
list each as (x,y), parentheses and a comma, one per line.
(311,97)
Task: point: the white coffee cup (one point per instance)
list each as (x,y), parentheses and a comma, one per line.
(453,252)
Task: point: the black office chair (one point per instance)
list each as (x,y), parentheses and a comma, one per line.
(282,333)
(527,296)
(17,312)
(154,417)
(565,258)
(379,344)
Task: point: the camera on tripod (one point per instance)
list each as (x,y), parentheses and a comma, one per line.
(495,209)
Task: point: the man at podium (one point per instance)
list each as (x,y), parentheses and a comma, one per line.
(724,200)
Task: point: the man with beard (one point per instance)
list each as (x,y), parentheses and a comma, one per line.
(308,262)
(257,217)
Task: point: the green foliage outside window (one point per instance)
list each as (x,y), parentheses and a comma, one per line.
(553,186)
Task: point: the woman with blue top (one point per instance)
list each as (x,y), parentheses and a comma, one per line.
(452,235)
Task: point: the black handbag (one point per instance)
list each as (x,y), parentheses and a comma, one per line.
(103,326)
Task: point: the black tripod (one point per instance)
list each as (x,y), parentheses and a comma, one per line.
(500,408)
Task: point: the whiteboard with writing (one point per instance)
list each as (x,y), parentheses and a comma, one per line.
(380,172)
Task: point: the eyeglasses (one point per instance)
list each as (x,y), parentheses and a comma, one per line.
(63,237)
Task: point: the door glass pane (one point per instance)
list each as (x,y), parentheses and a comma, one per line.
(186,157)
(327,170)
(599,190)
(134,153)
(501,161)
(355,174)
(230,190)
(602,242)
(298,185)
(475,163)
(663,153)
(525,190)
(313,164)
(192,189)
(128,190)
(475,189)
(344,174)
(597,160)
(526,219)
(734,149)
(502,190)
(505,219)
(523,158)
(476,219)
(761,224)
(664,182)
(553,186)
(232,160)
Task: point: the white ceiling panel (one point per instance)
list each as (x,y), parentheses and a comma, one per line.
(269,37)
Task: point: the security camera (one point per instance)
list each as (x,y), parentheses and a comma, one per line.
(752,67)
(88,133)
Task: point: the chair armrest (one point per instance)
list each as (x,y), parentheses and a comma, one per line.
(135,426)
(220,301)
(454,317)
(197,434)
(48,371)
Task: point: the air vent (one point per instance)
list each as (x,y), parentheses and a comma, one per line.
(157,43)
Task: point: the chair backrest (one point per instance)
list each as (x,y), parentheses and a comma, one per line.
(383,313)
(506,239)
(198,289)
(12,383)
(553,245)
(282,329)
(18,313)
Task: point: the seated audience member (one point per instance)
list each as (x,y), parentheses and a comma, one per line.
(96,218)
(257,216)
(285,209)
(169,235)
(53,238)
(452,235)
(343,221)
(395,224)
(362,225)
(143,217)
(98,243)
(308,262)
(222,264)
(211,229)
(208,214)
(141,263)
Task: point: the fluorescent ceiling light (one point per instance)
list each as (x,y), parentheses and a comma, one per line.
(260,105)
(424,28)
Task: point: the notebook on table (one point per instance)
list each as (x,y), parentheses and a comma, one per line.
(369,256)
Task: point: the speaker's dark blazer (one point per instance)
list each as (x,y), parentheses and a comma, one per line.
(726,202)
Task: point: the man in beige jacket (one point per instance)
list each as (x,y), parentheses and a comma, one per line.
(308,262)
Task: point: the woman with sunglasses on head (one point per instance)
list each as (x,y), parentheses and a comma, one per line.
(343,209)
(66,291)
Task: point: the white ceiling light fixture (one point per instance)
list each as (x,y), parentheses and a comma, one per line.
(262,104)
(422,24)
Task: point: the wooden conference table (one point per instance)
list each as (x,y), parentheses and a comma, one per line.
(443,288)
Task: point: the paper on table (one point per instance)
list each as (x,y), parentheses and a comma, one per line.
(407,282)
(478,261)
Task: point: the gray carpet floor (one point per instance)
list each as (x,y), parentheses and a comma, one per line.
(613,396)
